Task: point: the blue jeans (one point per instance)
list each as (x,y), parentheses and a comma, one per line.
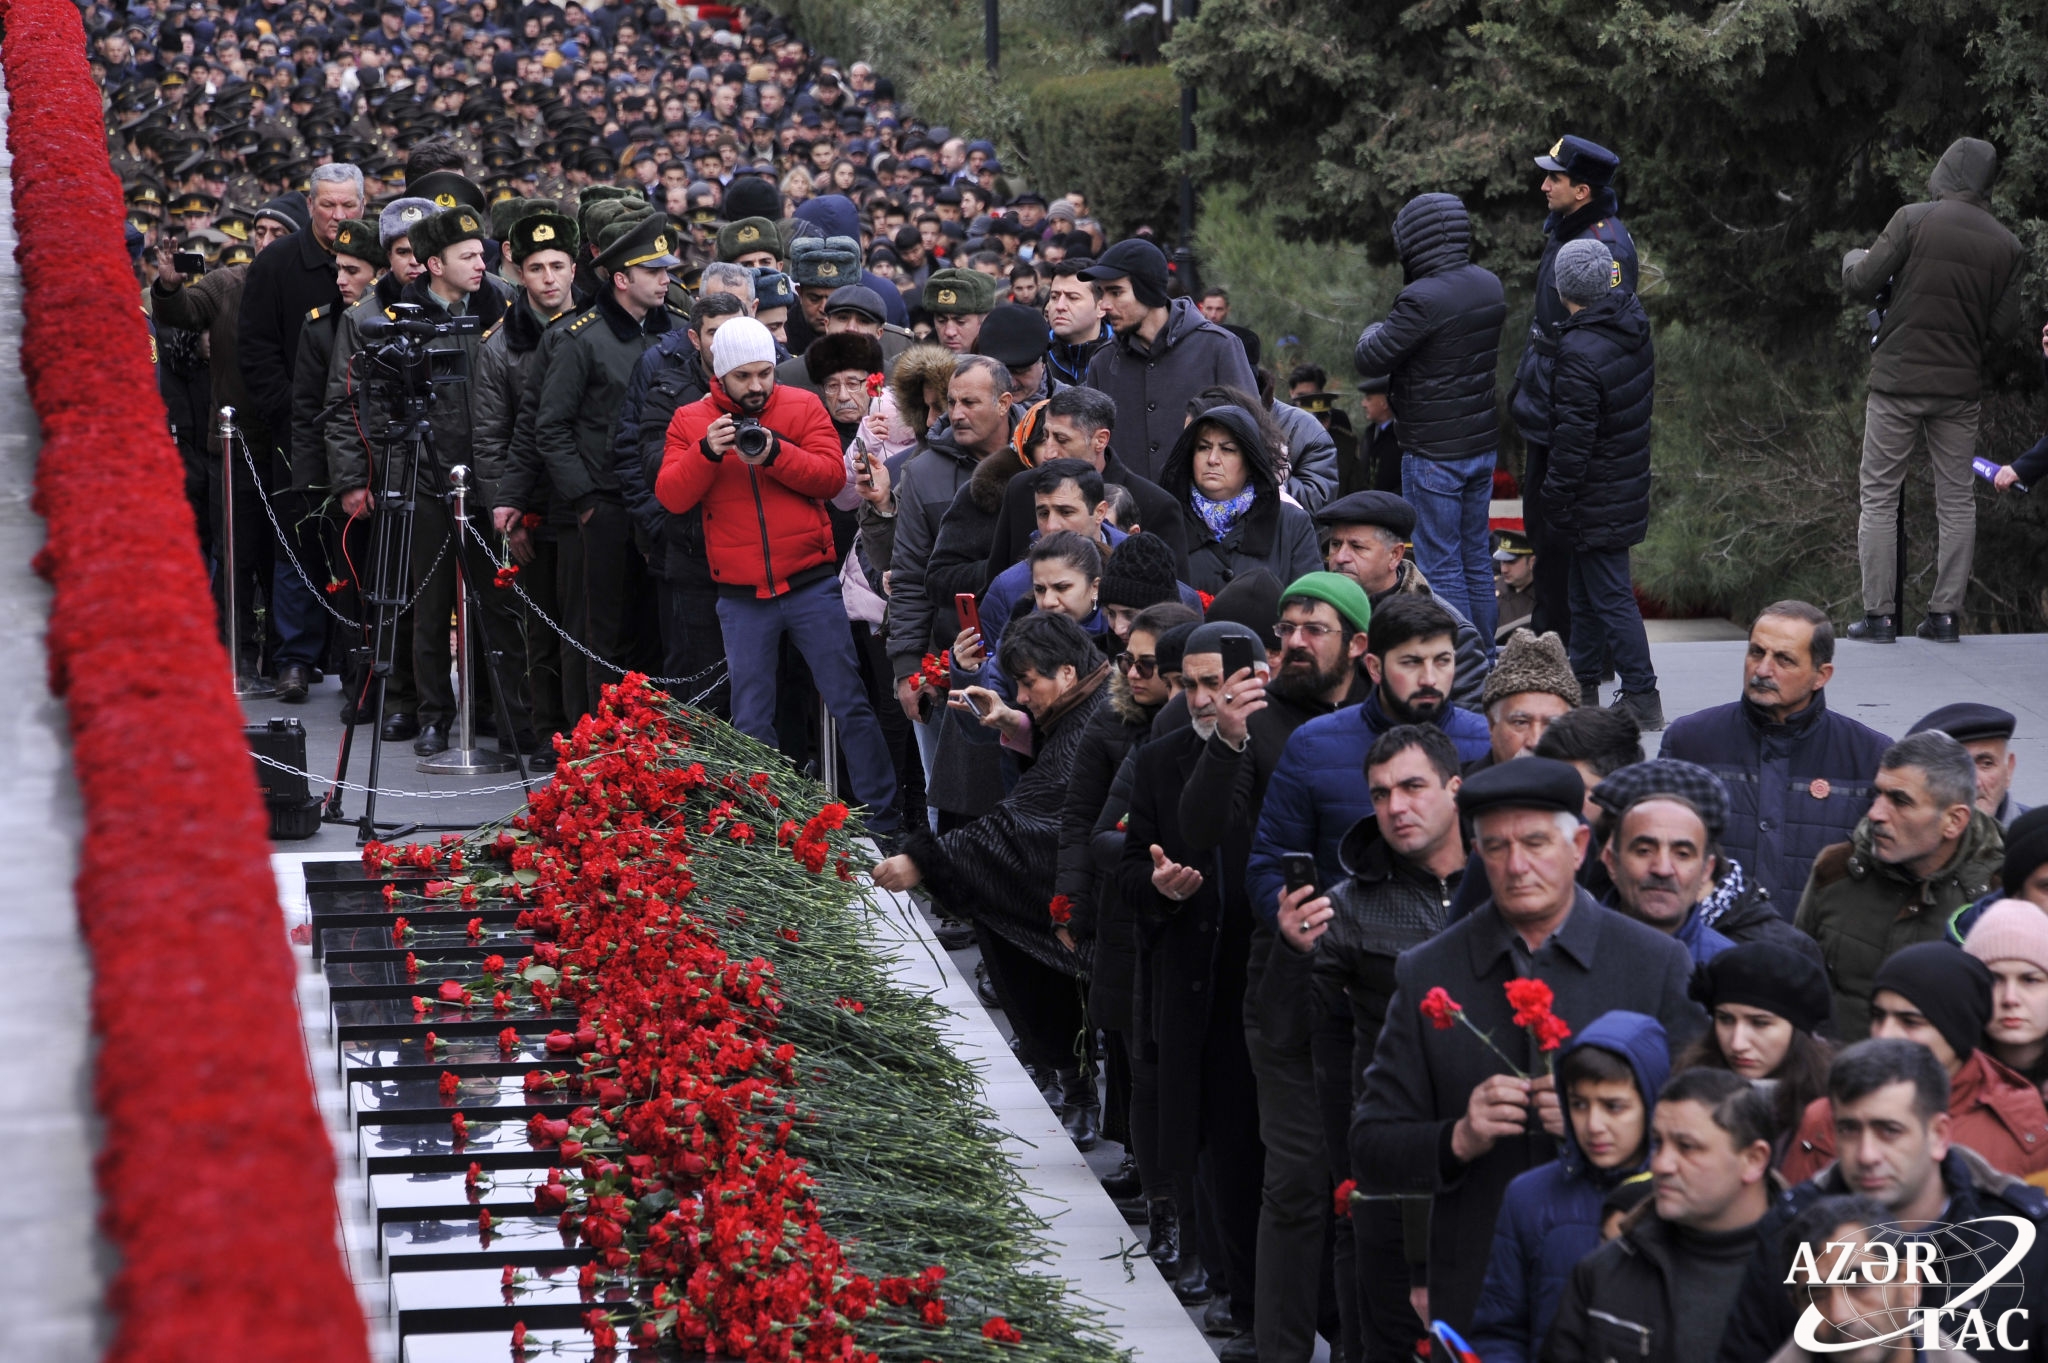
(1607,623)
(1452,546)
(814,617)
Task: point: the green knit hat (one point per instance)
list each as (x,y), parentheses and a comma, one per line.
(1340,593)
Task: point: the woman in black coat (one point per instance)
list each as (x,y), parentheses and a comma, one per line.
(1222,474)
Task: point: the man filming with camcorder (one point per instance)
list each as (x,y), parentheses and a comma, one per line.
(760,459)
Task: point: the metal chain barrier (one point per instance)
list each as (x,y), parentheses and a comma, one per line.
(666,683)
(382,793)
(284,542)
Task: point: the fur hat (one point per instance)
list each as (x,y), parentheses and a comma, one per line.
(829,262)
(543,230)
(437,232)
(831,355)
(359,239)
(1530,663)
(400,216)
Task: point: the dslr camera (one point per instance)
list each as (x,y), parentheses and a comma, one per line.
(750,437)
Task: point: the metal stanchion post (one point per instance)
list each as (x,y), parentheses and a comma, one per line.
(246,687)
(463,757)
(828,748)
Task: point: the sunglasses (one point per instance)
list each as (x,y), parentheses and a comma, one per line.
(1146,668)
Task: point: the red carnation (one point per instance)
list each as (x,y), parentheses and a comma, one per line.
(1000,1331)
(1531,1000)
(1441,1009)
(1061,909)
(1346,1190)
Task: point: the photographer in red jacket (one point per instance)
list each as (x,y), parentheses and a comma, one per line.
(761,459)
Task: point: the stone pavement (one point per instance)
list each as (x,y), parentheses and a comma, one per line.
(57,1264)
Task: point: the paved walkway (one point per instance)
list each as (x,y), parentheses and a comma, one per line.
(57,1266)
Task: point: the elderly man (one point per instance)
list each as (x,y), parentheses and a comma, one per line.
(1985,731)
(1365,538)
(1922,854)
(1798,776)
(1447,1117)
(1530,686)
(1664,822)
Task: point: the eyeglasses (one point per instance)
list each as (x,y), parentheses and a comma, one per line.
(1313,633)
(1146,668)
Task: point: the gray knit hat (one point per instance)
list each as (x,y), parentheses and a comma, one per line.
(1530,663)
(1585,271)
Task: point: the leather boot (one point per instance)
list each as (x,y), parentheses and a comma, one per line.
(1122,1182)
(1875,629)
(1219,1320)
(1162,1244)
(1192,1287)
(1079,1108)
(1939,627)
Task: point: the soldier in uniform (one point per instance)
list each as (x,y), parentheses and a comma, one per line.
(541,245)
(1578,178)
(1514,576)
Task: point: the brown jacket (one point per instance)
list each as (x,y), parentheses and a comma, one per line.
(212,303)
(1995,1112)
(1955,278)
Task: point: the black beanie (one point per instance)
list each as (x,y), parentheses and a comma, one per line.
(1172,648)
(1948,985)
(1140,573)
(1252,599)
(2026,847)
(1768,976)
(750,196)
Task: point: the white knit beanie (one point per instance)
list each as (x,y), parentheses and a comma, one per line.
(2010,930)
(740,341)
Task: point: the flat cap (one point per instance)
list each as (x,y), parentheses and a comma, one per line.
(1383,509)
(1640,781)
(1525,783)
(1967,721)
(857,298)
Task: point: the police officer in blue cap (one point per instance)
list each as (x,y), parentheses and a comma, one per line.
(1578,179)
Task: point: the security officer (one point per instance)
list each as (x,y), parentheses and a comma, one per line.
(1514,572)
(1578,181)
(585,367)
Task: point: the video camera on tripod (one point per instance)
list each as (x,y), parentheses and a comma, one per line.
(399,348)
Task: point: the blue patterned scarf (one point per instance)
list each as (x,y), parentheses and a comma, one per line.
(1220,517)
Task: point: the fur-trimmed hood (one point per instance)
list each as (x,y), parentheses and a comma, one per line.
(915,368)
(992,478)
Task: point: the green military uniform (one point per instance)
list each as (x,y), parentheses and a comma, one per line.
(1862,910)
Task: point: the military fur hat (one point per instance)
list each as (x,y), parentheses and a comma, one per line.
(400,217)
(957,292)
(736,239)
(438,232)
(829,262)
(359,239)
(541,231)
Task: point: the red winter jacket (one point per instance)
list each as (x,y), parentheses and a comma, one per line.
(763,524)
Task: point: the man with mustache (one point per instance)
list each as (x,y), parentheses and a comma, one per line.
(1798,775)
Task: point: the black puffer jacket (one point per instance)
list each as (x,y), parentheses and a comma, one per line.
(1598,488)
(1271,534)
(1441,342)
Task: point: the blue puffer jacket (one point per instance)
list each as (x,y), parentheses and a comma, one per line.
(1318,791)
(1550,1218)
(1793,788)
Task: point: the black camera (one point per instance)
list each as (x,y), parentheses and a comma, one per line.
(750,437)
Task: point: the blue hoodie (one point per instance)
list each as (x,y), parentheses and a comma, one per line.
(1550,1218)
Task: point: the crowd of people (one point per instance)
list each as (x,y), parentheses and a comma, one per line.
(1271,781)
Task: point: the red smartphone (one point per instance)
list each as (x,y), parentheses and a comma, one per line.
(969,611)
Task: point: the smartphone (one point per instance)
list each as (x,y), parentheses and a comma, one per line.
(1297,868)
(188,262)
(973,702)
(1237,655)
(968,609)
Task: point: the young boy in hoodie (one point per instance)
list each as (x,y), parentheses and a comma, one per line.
(1551,1218)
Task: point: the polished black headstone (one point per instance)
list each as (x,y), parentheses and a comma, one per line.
(527,1241)
(496,1098)
(474,1299)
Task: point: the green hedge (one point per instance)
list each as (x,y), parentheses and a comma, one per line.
(1113,135)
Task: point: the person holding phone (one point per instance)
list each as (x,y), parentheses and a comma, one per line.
(1066,577)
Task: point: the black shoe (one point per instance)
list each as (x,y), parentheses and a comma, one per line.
(1939,627)
(1192,1287)
(292,683)
(399,727)
(1136,1210)
(1122,1183)
(541,758)
(1080,1111)
(983,990)
(1242,1349)
(954,935)
(1589,693)
(1218,1319)
(432,739)
(1875,629)
(1647,707)
(1162,1242)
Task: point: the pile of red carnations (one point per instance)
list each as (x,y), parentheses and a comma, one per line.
(773,1149)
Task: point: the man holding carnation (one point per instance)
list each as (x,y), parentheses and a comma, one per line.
(1459,1099)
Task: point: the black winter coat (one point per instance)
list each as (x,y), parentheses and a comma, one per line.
(1441,342)
(1198,949)
(1597,492)
(285,283)
(1622,1300)
(960,551)
(1271,534)
(1102,925)
(668,376)
(1152,385)
(999,871)
(1530,405)
(1158,514)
